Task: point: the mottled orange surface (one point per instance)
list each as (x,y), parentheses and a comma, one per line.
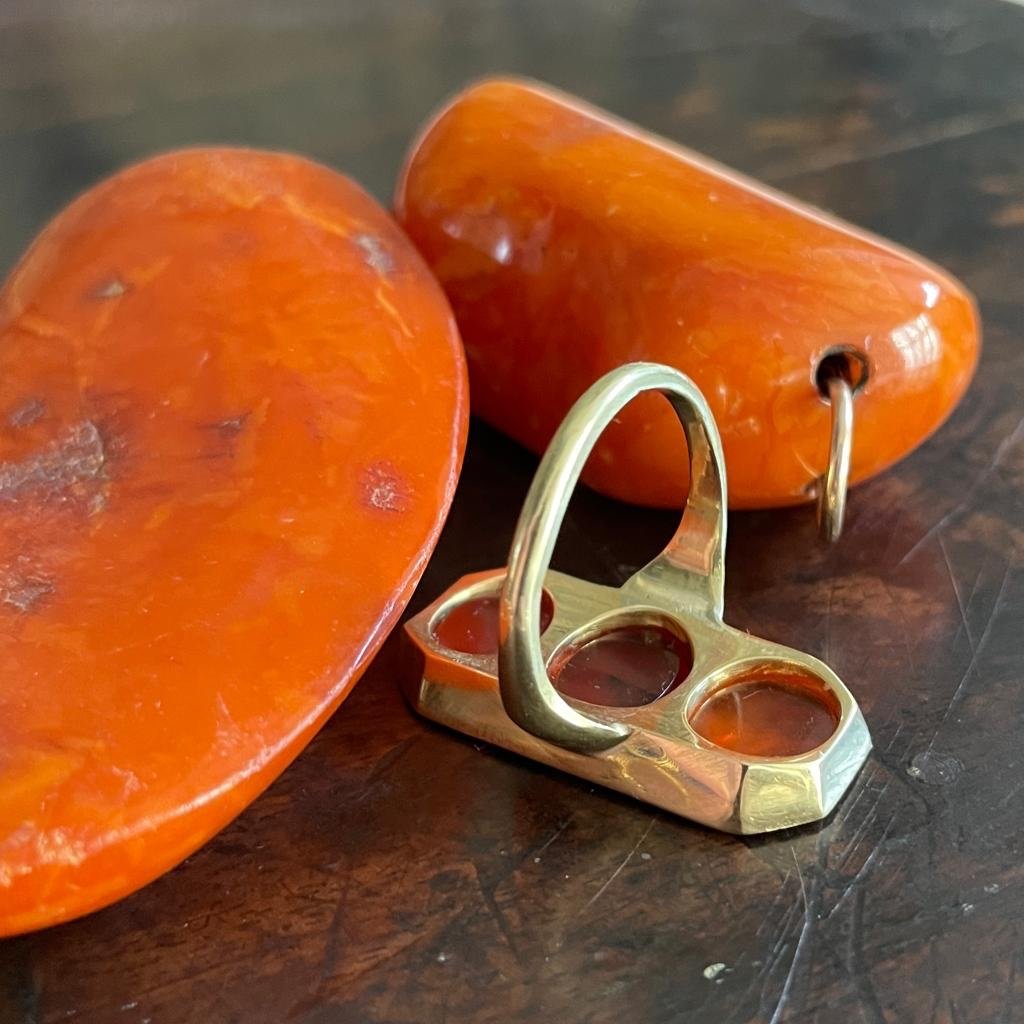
(569,242)
(232,415)
(768,715)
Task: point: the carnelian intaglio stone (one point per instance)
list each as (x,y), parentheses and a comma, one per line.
(232,415)
(473,626)
(628,666)
(569,242)
(768,715)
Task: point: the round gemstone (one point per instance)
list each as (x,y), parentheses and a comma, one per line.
(769,716)
(472,626)
(625,667)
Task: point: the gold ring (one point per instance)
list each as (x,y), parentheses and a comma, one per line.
(833,484)
(688,575)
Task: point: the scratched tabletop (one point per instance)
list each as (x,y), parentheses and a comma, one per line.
(400,873)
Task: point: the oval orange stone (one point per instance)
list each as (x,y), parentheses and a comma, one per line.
(775,715)
(626,667)
(232,417)
(473,626)
(569,242)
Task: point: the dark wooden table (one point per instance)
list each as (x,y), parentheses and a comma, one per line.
(399,873)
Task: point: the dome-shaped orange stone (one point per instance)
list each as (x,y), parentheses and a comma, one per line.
(232,416)
(569,242)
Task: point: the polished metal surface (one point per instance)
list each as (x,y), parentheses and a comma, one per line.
(687,574)
(651,752)
(834,483)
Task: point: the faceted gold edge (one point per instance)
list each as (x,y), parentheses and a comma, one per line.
(662,761)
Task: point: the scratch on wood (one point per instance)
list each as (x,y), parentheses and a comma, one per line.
(845,153)
(558,831)
(993,464)
(866,821)
(872,1010)
(615,874)
(956,593)
(805,931)
(872,860)
(969,671)
(499,919)
(766,919)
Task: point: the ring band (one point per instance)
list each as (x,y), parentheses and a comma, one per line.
(687,575)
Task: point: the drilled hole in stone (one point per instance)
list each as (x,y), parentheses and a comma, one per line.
(847,363)
(625,667)
(471,626)
(770,712)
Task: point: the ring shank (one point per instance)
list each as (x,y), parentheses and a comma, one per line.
(688,575)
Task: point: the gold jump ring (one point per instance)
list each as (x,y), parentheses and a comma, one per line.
(833,484)
(688,574)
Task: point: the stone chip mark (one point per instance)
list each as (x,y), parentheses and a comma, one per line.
(231,426)
(384,488)
(222,436)
(75,457)
(376,255)
(27,413)
(24,593)
(23,585)
(112,289)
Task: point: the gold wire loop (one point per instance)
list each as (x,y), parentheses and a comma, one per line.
(688,575)
(833,484)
